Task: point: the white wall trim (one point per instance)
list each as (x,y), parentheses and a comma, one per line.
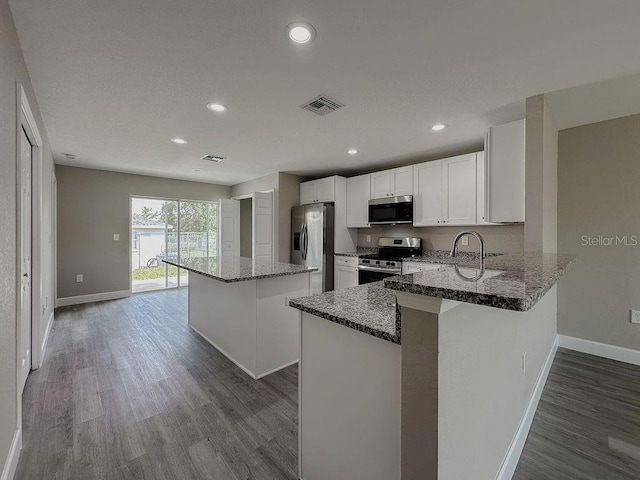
(621,354)
(94,297)
(10,465)
(512,458)
(45,340)
(239,365)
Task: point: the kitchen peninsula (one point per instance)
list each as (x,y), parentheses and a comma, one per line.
(429,375)
(239,305)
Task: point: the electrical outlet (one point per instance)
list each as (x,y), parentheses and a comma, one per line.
(524,363)
(635,316)
(116,237)
(465,240)
(79,278)
(368,238)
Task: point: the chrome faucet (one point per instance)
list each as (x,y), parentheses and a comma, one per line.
(483,250)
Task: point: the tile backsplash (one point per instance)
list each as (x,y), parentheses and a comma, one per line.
(498,238)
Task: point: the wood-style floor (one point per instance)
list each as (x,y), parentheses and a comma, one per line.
(587,425)
(128,391)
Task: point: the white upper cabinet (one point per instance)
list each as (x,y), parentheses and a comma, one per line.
(318,191)
(392,183)
(358,196)
(459,190)
(444,192)
(480,196)
(427,194)
(307,193)
(505,167)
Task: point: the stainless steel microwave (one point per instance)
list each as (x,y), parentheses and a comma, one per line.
(391,210)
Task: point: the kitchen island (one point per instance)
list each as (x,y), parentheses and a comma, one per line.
(239,305)
(433,375)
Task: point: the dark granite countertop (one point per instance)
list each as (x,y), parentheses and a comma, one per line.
(239,269)
(369,308)
(359,251)
(510,281)
(442,256)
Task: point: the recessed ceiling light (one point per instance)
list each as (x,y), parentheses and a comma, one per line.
(197,169)
(439,126)
(352,151)
(179,141)
(217,107)
(70,156)
(301,32)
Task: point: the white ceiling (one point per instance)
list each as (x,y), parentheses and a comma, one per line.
(595,102)
(117,79)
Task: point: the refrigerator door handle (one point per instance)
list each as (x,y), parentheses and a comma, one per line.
(306,241)
(303,236)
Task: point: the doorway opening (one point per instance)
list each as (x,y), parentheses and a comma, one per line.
(169,229)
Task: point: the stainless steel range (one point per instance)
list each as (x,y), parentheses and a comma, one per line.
(388,261)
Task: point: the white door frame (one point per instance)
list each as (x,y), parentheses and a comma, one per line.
(25,120)
(272,191)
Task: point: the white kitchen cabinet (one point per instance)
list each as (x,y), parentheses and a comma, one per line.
(427,194)
(358,196)
(480,190)
(445,192)
(322,190)
(505,169)
(459,190)
(392,183)
(345,272)
(414,267)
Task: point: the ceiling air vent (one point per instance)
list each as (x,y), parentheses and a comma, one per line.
(322,105)
(212,158)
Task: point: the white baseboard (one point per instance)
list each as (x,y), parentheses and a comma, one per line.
(239,365)
(45,339)
(10,465)
(512,458)
(621,354)
(262,375)
(94,297)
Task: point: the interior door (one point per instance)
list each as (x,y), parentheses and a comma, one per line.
(25,253)
(229,228)
(263,226)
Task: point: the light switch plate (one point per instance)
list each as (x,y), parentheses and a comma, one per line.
(79,278)
(465,240)
(368,238)
(635,316)
(116,237)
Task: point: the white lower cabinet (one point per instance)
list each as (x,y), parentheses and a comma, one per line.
(414,267)
(345,272)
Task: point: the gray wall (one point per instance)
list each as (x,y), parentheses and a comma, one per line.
(92,206)
(246,227)
(598,194)
(12,72)
(499,238)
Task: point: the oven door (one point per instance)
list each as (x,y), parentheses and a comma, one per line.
(391,211)
(370,275)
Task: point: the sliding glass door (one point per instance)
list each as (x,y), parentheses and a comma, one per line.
(173,230)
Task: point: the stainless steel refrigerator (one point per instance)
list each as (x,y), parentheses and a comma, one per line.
(312,233)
